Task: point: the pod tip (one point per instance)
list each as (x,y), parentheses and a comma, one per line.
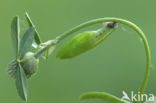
(110,24)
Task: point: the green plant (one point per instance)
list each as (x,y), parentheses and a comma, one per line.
(30,48)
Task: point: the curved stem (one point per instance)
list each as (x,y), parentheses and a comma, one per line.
(130,24)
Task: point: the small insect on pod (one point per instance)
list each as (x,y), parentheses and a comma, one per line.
(86,41)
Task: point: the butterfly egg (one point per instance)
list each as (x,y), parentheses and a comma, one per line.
(30,66)
(85,41)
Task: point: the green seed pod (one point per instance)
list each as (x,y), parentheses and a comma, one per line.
(30,66)
(85,41)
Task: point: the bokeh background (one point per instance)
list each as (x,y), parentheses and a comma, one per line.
(117,64)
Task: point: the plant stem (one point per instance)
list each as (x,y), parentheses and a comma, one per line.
(101,20)
(52,43)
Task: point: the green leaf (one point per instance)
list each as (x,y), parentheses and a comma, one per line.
(21,83)
(15,33)
(101,95)
(26,42)
(37,37)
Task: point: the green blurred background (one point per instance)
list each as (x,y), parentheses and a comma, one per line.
(117,64)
